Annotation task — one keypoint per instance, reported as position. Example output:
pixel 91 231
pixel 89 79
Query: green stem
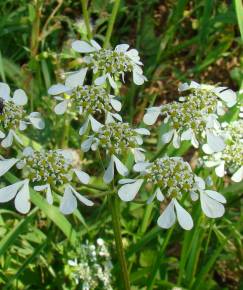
pixel 111 23
pixel 86 18
pixel 65 134
pixel 115 210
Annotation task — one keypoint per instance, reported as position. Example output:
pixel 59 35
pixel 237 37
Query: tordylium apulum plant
pixel 91 95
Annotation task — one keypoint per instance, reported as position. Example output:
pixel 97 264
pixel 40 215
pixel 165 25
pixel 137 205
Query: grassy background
pixel 178 40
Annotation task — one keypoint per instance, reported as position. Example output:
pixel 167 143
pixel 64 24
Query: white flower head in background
pixel 44 170
pixel 195 116
pixel 231 158
pixel 173 180
pixel 13 117
pixel 110 64
pixel 117 139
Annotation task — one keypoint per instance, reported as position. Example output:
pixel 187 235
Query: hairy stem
pixel 115 213
pixel 111 23
pixel 84 4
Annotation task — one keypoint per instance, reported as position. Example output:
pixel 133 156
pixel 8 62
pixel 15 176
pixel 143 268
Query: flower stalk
pixel 115 210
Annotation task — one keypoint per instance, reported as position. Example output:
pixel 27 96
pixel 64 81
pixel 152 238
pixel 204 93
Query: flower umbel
pixel 13 117
pixel 231 157
pixel 117 139
pixel 45 171
pixel 111 64
pixel 173 180
pixel 195 117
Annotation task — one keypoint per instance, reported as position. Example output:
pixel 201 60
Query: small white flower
pixel 194 117
pixel 13 116
pixel 110 64
pixel 44 170
pixel 117 139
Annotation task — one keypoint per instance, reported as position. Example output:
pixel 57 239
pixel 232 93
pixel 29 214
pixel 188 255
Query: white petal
pixel 166 138
pixel 28 151
pixel 2 135
pixel 194 195
pixel 49 197
pixel 68 202
pixel 112 82
pixel 116 104
pixel 58 89
pixel 168 217
pixel 82 176
pixel 194 141
pixel 7 193
pixel 120 167
pixel 142 131
pixel 206 149
pixel 100 80
pixel 132 53
pixel 126 181
pixel 81 198
pixel 95 44
pixel 151 115
pixel 176 140
pixel 229 97
pixel 141 166
pixel 61 108
pixel 138 79
pixel 4 91
pixel 95 125
pixel 211 207
pixel 22 125
pixel 159 195
pixel 84 127
pixel 183 87
pixel 219 170
pixel 109 173
pixel 216 143
pixel 22 199
pixel 82 46
pixel 6 165
pixel 216 195
pixel 36 121
pixel 138 155
pixel 128 191
pixel 8 141
pixel 121 47
pixel 17 137
pixel 139 140
pixel 76 79
pixel 20 98
pixel 200 182
pixel 184 218
pixel 85 146
pixel 186 135
pixel 238 175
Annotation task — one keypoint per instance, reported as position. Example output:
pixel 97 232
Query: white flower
pixel 109 64
pixel 89 101
pixel 211 201
pixel 44 170
pixel 117 139
pixel 13 116
pixel 172 178
pixel 194 117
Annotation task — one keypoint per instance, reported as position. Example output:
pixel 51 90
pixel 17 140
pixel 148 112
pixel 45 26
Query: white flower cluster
pixel 92 268
pixel 44 171
pixel 109 64
pixel 13 117
pixel 117 139
pixel 195 117
pixel 231 157
pixel 173 180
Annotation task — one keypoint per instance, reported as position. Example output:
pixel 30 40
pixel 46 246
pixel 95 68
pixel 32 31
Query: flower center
pixel 92 99
pixel 233 153
pixel 117 138
pixel 110 61
pixel 48 167
pixel 171 174
pixel 192 112
pixel 11 114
